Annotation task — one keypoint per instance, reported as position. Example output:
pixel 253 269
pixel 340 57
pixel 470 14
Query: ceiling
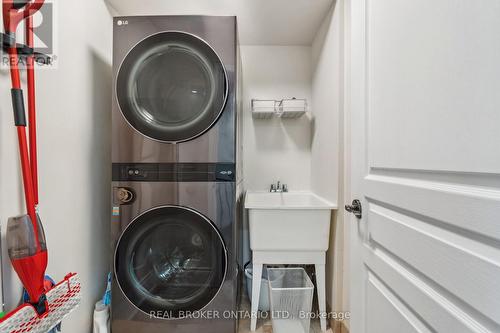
pixel 260 22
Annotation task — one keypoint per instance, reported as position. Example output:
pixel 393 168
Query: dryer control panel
pixel 174 172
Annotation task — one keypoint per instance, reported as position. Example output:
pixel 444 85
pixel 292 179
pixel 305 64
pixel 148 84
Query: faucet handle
pixel 285 188
pixel 273 188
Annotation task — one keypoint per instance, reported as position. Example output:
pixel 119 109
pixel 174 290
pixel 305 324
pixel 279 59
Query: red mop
pixel 25 236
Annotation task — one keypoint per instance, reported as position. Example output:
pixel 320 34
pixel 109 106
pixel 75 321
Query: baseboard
pixel 338 326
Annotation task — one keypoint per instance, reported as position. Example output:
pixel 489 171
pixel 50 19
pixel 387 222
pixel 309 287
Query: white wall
pixel 276 149
pixel 326 97
pixel 260 22
pixel 327 162
pixel 74 121
pixel 306 153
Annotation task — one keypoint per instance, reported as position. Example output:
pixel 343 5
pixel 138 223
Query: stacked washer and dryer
pixel 176 175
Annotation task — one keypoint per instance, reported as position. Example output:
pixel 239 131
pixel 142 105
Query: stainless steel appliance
pixel 174 256
pixel 174 89
pixel 175 180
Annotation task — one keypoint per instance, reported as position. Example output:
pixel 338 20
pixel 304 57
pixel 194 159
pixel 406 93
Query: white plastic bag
pixel 101 318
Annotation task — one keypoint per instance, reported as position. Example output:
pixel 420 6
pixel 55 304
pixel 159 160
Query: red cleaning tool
pixel 25 235
pixel 27 249
pixel 62 299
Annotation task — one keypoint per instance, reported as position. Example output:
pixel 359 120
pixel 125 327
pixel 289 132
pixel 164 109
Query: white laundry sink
pixel 291 221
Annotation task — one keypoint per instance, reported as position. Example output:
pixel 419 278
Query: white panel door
pixel 423 96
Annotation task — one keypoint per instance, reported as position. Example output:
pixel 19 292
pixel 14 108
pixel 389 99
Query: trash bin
pixel 291 294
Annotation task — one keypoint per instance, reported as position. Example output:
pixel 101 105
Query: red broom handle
pixel 23 146
pixel 30 63
pixel 12 17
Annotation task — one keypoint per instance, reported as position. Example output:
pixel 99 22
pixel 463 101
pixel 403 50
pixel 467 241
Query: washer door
pixel 172 87
pixel 170 259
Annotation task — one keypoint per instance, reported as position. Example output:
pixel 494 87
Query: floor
pixel 265 326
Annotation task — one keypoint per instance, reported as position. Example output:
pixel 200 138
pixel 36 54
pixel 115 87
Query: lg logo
pixel 120 22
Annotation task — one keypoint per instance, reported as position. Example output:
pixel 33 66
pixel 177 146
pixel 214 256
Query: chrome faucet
pixel 278 187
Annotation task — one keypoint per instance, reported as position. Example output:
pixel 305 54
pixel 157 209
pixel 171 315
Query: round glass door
pixel 170 259
pixel 172 87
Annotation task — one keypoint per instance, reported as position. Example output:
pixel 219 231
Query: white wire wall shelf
pixel 285 108
pixel 292 108
pixel 263 108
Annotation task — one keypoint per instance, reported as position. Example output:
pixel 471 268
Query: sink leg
pixel 320 280
pixel 256 280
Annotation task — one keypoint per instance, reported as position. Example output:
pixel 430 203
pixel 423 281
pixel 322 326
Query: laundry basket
pixel 291 294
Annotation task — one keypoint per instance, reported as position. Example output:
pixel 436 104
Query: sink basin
pixel 292 221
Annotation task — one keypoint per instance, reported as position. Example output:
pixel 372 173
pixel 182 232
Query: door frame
pixel 355 133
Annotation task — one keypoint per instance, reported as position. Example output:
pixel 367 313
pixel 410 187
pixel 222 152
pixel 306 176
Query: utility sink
pixel 288 221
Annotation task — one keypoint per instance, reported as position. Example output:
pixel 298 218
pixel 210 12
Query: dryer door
pixel 170 259
pixel 172 87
